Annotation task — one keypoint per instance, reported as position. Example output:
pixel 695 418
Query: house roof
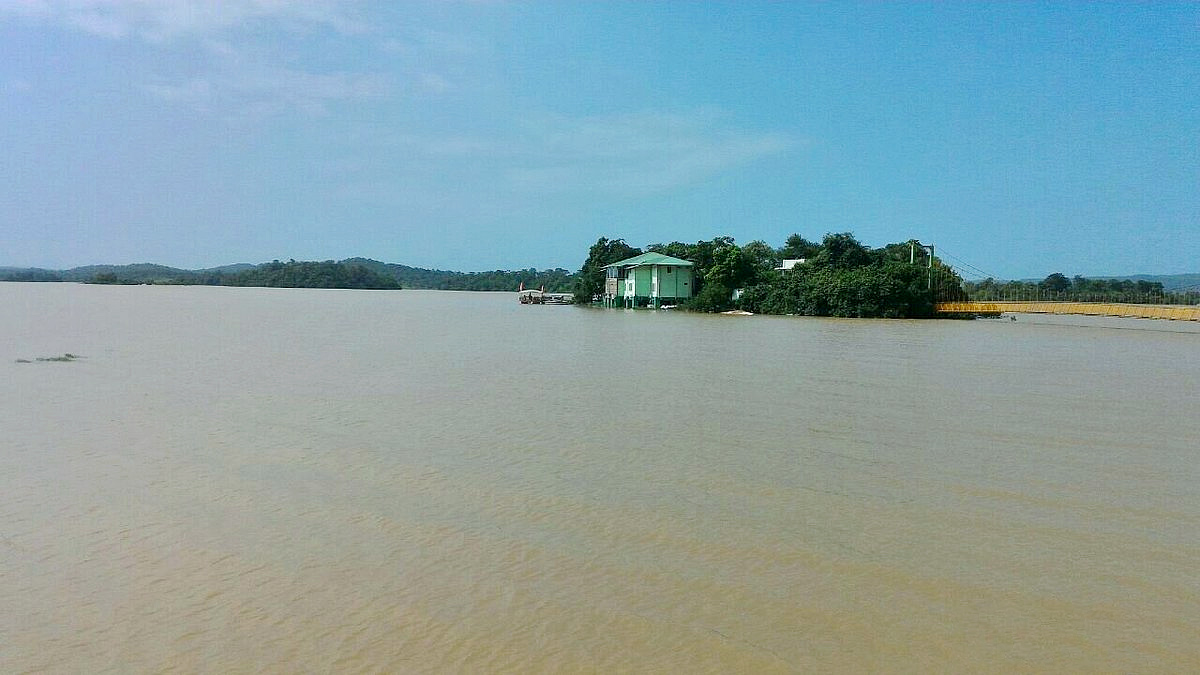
pixel 649 259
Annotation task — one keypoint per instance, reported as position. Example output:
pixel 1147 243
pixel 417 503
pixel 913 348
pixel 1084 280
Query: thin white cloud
pixel 161 20
pixel 17 85
pixel 266 91
pixel 628 155
pixel 636 153
pixel 246 60
pixel 432 83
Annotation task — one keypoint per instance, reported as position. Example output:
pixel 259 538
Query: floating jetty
pixel 538 297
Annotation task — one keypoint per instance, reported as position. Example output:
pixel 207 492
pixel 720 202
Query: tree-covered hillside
pixel 555 280
pixel 292 274
pixel 314 274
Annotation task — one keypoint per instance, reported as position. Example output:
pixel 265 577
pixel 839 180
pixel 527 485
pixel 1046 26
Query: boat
pixel 530 296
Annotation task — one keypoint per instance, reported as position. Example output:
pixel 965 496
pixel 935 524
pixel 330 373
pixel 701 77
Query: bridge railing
pixel 1137 311
pixel 1046 295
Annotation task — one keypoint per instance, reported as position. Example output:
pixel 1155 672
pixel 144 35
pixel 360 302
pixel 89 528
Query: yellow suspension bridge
pixel 996 308
pixel 954 298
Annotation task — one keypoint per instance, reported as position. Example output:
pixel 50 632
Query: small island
pixel 839 277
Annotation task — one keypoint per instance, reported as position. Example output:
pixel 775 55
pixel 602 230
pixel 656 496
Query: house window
pixel 669 269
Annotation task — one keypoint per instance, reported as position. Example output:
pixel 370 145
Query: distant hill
pixel 227 269
pixel 29 274
pixel 554 280
pixel 142 273
pixel 137 273
pixel 292 274
pixel 1170 282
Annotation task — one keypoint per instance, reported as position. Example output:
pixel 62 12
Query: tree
pixel 675 249
pixel 842 251
pixel 731 268
pixel 726 268
pixel 711 298
pixel 762 260
pixel 798 247
pixel 1056 283
pixel 1149 287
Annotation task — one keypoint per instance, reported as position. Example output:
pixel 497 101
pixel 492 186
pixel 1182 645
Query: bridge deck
pixel 1176 312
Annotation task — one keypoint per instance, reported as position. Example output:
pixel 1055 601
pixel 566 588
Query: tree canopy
pixel 796 247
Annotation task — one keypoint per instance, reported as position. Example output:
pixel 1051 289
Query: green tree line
pixel 293 274
pixel 275 274
pixel 555 280
pixel 1058 287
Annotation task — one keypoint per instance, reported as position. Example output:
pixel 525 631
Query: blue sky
pixel 1020 138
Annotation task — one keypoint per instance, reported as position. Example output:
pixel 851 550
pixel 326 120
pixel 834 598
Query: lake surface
pixel 237 480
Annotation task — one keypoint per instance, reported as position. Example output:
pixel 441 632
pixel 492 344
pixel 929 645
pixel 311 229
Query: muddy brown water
pixel 250 480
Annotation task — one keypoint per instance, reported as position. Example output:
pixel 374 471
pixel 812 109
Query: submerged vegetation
pixel 838 277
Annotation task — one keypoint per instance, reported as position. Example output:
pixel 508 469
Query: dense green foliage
pixel 108 278
pixel 796 247
pixel 555 280
pixel 293 274
pixel 1058 287
pixel 887 289
pixel 841 277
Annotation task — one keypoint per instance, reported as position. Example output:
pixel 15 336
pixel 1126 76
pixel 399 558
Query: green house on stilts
pixel 647 280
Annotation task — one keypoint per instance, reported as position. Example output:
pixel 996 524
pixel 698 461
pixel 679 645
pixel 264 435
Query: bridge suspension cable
pixel 982 274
